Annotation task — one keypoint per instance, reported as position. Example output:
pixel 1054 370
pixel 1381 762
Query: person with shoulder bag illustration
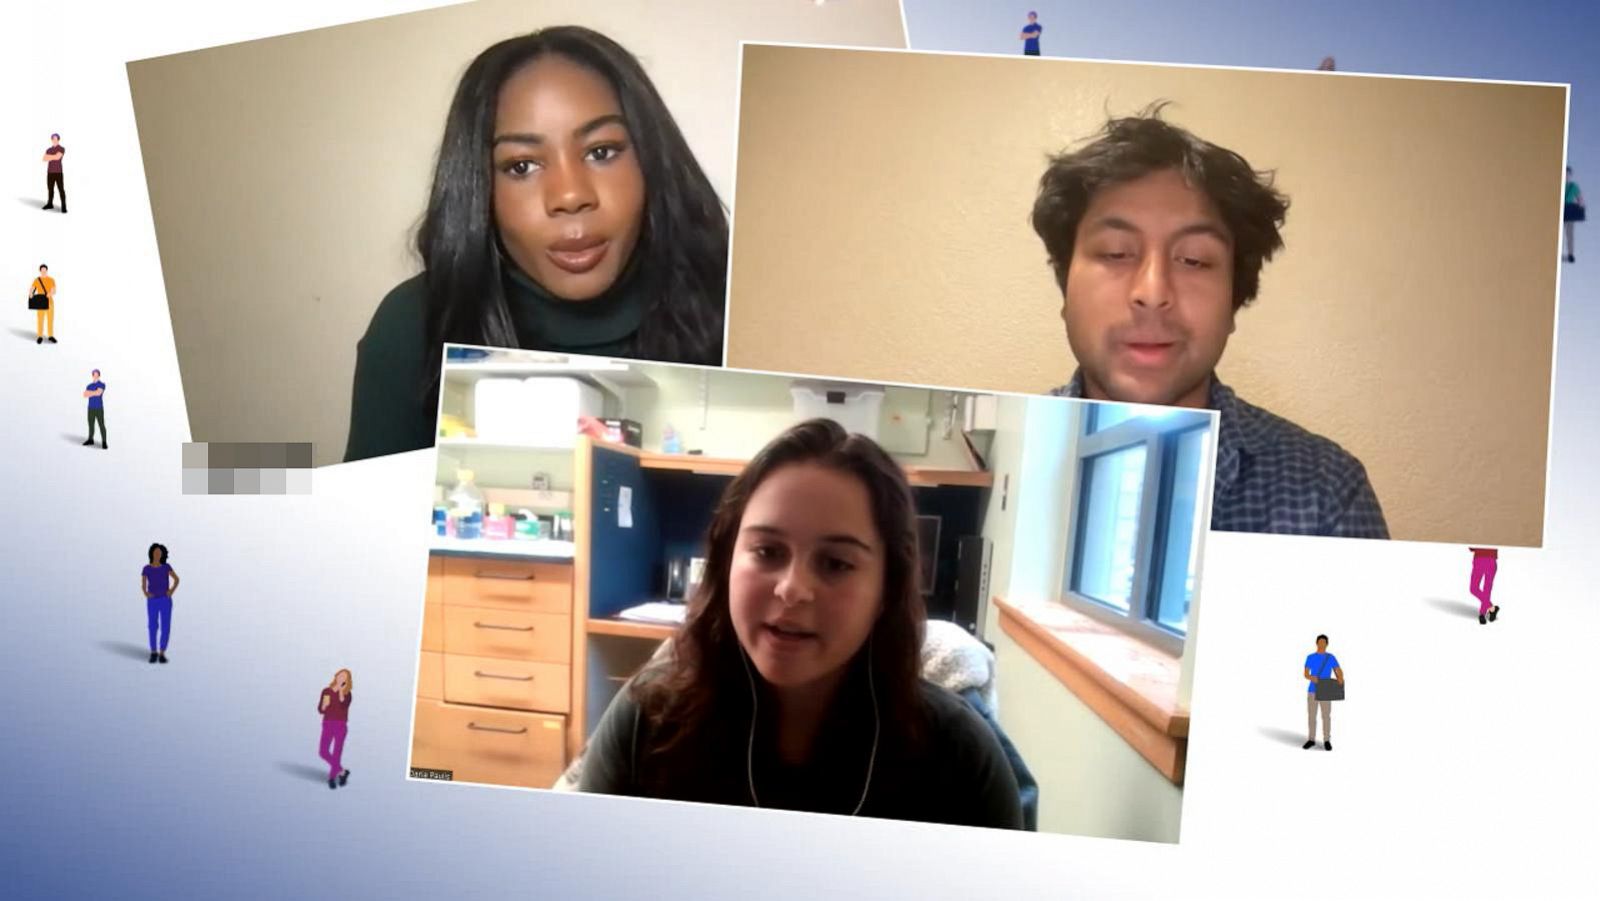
pixel 1326 685
pixel 42 300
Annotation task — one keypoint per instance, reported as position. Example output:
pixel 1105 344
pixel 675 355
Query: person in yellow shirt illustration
pixel 42 300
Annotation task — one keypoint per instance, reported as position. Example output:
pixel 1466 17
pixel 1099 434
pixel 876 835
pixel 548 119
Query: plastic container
pixel 669 441
pixel 856 407
pixel 537 412
pixel 624 431
pixel 528 526
pixel 556 405
pixel 466 506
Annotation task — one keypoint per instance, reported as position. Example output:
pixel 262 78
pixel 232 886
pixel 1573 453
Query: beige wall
pixel 884 234
pixel 285 176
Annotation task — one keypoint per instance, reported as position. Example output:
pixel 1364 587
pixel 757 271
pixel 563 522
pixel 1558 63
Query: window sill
pixel 1131 685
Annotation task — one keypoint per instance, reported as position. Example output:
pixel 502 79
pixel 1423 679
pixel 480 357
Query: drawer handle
pixel 513 577
pixel 483 675
pixel 479 625
pixel 517 731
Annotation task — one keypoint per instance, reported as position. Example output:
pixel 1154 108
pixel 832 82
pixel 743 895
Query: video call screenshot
pixel 783 448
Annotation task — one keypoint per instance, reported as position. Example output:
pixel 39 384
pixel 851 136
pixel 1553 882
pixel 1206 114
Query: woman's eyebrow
pixel 528 137
pixel 836 538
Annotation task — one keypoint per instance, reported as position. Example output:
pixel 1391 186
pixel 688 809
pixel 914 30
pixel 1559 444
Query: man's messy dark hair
pixel 1132 147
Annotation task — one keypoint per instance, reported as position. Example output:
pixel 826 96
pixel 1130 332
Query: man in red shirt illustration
pixel 53 177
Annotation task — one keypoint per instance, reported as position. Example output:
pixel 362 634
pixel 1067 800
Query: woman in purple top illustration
pixel 159 584
pixel 334 706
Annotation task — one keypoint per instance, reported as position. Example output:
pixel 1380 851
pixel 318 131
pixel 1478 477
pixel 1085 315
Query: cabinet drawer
pixel 433 627
pixel 491 632
pixel 495 682
pixel 508 584
pixel 494 746
pixel 435 579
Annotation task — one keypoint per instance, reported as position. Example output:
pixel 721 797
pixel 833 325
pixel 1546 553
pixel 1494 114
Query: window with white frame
pixel 1141 473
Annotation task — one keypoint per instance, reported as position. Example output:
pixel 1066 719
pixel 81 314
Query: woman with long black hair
pixel 795 680
pixel 159 583
pixel 567 214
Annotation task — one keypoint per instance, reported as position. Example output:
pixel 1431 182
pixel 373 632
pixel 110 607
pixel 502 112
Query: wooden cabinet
pixel 494 685
pixel 479 744
pixel 430 676
pixel 435 579
pixel 433 627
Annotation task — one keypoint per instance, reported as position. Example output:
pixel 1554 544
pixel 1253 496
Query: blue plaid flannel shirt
pixel 1274 476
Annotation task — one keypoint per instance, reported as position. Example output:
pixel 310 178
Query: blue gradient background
pixel 199 779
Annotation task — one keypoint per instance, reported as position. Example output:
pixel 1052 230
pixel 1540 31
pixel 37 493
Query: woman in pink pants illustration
pixel 1485 560
pixel 335 709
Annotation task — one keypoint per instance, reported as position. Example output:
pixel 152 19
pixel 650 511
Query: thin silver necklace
pixel 750 748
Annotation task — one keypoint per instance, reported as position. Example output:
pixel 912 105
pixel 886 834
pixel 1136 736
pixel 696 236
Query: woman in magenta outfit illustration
pixel 1485 560
pixel 159 583
pixel 335 709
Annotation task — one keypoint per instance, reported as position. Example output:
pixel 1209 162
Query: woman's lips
pixel 788 637
pixel 578 255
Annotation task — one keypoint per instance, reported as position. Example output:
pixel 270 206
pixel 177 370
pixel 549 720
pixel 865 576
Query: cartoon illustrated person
pixel 1571 211
pixel 158 599
pixel 1030 35
pixel 95 392
pixel 42 300
pixel 334 706
pixel 1320 665
pixel 53 176
pixel 1485 561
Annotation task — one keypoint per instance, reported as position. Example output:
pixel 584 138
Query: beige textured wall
pixel 285 175
pixel 883 234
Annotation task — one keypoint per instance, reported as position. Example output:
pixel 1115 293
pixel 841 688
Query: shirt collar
pixel 606 319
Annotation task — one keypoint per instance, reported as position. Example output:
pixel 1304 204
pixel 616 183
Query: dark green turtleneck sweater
pixel 386 415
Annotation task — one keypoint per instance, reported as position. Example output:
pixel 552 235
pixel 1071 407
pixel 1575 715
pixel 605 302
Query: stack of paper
pixel 655 612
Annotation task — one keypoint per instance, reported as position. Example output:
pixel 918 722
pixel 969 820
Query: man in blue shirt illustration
pixel 1030 35
pixel 97 408
pixel 1320 665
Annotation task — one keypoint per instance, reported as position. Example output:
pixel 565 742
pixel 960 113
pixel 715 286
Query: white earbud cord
pixel 750 748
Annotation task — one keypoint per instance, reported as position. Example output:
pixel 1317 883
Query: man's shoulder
pixel 1270 435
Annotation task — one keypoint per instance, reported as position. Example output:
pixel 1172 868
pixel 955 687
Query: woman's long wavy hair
pixel 682 253
pixel 706 658
pixel 151 552
pixel 349 682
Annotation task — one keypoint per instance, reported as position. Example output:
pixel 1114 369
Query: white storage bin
pixel 539 412
pixel 499 407
pixel 856 407
pixel 554 406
